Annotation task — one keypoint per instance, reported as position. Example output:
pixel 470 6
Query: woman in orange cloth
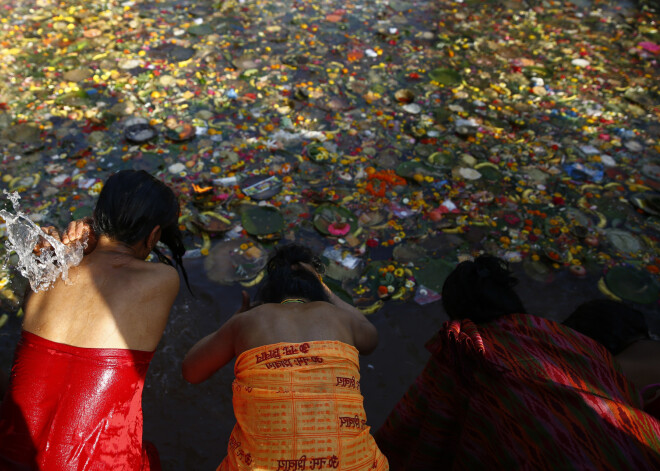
pixel 74 400
pixel 297 397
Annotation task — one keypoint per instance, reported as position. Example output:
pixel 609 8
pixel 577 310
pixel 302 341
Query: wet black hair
pixel 481 290
pixel 613 324
pixel 286 279
pixel 131 204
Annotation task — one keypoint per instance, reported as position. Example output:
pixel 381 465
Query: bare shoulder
pixel 363 332
pixel 156 282
pixel 166 273
pixel 254 314
pixel 160 273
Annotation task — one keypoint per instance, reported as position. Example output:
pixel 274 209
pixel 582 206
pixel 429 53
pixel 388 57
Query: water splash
pixel 41 270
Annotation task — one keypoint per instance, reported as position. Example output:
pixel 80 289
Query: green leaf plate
pixel 445 76
pixel 632 284
pixel 327 214
pixel 261 220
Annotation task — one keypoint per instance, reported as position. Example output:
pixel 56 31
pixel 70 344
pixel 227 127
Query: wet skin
pixel 115 299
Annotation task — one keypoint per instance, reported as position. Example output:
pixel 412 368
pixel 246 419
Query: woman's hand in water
pixel 43 243
pixel 80 230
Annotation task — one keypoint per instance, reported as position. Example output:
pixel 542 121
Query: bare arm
pixel 213 351
pixel 209 354
pixel 365 334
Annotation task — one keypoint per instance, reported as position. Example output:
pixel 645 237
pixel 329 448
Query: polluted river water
pixel 394 138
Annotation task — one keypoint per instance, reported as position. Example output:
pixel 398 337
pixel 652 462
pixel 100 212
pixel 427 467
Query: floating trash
pixel 261 188
pixel 648 202
pixel 412 108
pixel 179 131
pixel 138 130
pixel 212 223
pixel 414 130
pixel 404 96
pixel 236 260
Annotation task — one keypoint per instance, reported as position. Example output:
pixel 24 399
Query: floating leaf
pixel 445 76
pixel 535 71
pixel 261 220
pixel 434 274
pixel 442 159
pixel 632 284
pixel 200 30
pixel 330 214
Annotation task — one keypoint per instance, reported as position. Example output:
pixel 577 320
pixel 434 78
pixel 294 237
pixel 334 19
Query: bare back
pixel 112 302
pixel 272 323
pixel 292 322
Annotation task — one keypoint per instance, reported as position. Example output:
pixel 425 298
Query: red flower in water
pixel 511 219
pixel 372 243
pixel 339 228
pixel 437 214
pixel 558 200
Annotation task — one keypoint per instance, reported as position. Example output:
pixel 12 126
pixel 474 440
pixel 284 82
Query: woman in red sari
pixel 74 400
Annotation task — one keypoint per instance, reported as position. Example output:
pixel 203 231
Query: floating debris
pixel 530 133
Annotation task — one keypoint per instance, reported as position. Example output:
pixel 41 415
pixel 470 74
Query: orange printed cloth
pixel 298 406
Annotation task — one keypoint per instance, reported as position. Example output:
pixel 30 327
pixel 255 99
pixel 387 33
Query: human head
pixel 613 324
pixel 131 204
pixel 286 278
pixel 481 290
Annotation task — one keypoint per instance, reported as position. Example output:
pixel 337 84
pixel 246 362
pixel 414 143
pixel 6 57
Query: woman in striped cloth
pixel 508 390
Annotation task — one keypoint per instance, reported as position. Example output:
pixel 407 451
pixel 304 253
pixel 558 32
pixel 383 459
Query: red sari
pixel 70 408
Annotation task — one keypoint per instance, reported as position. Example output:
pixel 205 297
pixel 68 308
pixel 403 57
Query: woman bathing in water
pixel 75 391
pixel 297 395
